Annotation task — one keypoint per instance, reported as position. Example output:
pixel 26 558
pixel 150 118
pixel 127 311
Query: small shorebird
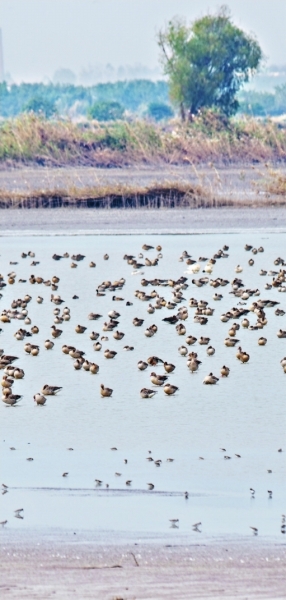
pixel 3 523
pixel 174 523
pixel 65 474
pixel 151 486
pixel 252 491
pixel 196 526
pixel 255 530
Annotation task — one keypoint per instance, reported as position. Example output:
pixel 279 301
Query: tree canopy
pixel 207 62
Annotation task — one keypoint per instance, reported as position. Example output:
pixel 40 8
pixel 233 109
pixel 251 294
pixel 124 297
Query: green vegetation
pixel 133 96
pixel 41 106
pixel 263 104
pixel 210 137
pixel 106 111
pixel 159 111
pixel 207 62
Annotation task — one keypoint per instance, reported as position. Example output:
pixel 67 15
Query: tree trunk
pixel 182 111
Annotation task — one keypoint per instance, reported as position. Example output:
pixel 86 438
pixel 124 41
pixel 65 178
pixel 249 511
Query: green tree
pixel 159 111
pixel 207 62
pixel 42 106
pixel 106 111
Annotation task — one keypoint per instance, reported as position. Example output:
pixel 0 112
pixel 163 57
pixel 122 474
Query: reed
pixel 32 140
pixel 168 194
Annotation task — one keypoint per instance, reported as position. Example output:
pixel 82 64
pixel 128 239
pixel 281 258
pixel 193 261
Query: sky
pixel 41 36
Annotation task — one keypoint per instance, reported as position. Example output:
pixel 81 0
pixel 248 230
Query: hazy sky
pixel 39 36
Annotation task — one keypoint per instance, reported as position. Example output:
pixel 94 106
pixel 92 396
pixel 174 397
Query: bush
pixel 159 111
pixel 41 106
pixel 106 111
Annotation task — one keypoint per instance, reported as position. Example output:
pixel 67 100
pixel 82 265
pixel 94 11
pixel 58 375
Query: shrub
pixel 106 111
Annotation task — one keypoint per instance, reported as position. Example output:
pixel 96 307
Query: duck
pixel 109 353
pixel 18 373
pixel 50 390
pixel 190 340
pixel 137 322
pixel 11 399
pixel 56 332
pixel 105 391
pixel 146 393
pixel 93 368
pixel 210 379
pixel 180 328
pixel 245 323
pixel 169 368
pixel 80 329
pixel 154 360
pixel 170 389
pixel 238 269
pixel 262 341
pixel 93 317
pixel 34 350
pixel 210 351
pixel 193 364
pixel 77 364
pixel 94 335
pixel 49 344
pixel 149 332
pixel 150 309
pixel 74 353
pixel 230 342
pixel 183 350
pixel 40 399
pixel 97 347
pixel 281 334
pixel 7 382
pixel 204 341
pixel 118 335
pixel 142 365
pixel 242 356
pixel 158 379
pixel 224 371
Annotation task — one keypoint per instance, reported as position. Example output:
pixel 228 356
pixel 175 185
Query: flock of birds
pixel 154 300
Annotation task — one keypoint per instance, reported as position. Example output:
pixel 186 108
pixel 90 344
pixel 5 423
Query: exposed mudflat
pixel 239 182
pixel 75 566
pixel 116 221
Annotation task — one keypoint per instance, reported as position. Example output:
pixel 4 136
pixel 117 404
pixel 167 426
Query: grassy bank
pixel 168 194
pixel 30 140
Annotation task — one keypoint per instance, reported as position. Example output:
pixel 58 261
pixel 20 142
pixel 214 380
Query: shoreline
pixel 80 567
pixel 86 221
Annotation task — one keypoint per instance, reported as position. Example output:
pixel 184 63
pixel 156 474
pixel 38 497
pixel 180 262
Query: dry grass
pixel 275 183
pixel 31 140
pixel 168 194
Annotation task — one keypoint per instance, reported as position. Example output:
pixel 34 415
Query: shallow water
pixel 245 413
